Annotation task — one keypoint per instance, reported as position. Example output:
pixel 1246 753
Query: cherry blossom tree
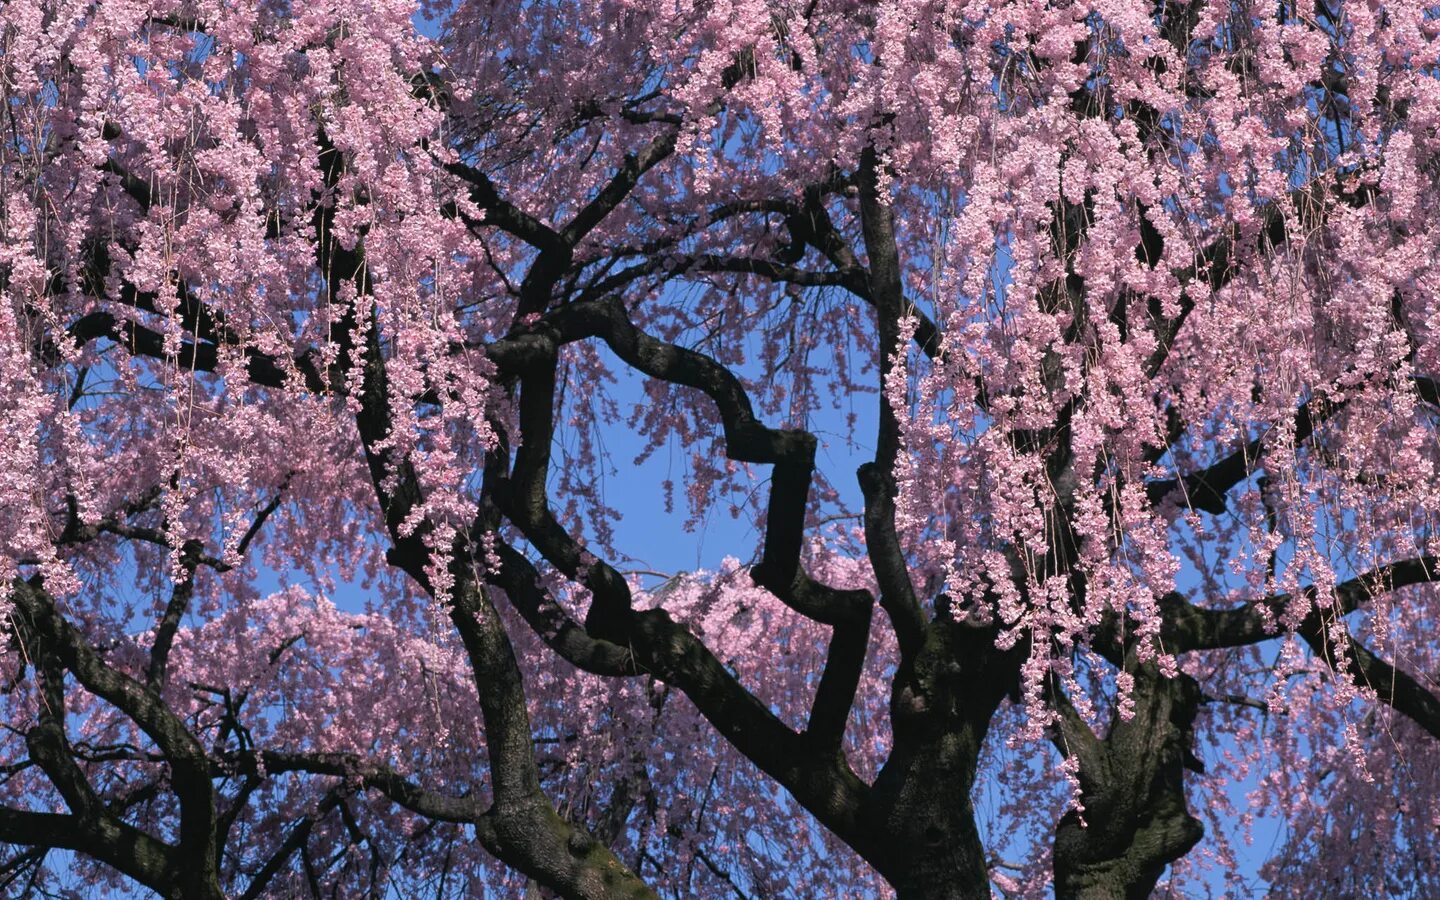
pixel 1125 310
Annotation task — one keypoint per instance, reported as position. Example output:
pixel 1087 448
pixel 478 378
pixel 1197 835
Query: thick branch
pixel 1332 642
pixel 502 213
pixel 791 452
pixel 877 480
pixel 1206 489
pixel 1135 821
pixel 1187 627
pixel 51 637
pixel 660 645
pixel 127 849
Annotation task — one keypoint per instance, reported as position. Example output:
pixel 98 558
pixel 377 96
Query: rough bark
pixel 920 829
pixel 1135 821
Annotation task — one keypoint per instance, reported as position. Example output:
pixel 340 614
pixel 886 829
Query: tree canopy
pixel 1129 311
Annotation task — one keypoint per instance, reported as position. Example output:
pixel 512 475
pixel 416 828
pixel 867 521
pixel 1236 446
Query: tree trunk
pixel 1136 822
pixel 920 818
pixel 928 837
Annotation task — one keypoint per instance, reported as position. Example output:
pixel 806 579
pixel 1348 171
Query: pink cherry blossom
pixel 1070 373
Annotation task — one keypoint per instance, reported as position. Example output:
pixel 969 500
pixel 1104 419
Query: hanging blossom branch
pixel 287 262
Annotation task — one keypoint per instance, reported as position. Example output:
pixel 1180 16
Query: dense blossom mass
pixel 1126 312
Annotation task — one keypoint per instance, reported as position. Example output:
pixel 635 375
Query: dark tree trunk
pixel 919 818
pixel 928 837
pixel 1135 822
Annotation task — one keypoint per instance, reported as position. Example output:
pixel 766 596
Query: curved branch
pixel 1333 643
pixel 294 841
pixel 822 782
pixel 791 452
pixel 54 638
pixel 1206 488
pixel 528 833
pixel 501 212
pixel 127 849
pixel 619 186
pixel 398 788
pixel 524 832
pixel 1186 627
